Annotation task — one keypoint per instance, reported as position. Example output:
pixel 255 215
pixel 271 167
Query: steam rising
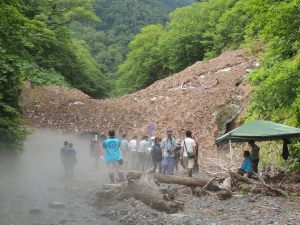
pixel 35 179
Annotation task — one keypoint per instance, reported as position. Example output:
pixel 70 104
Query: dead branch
pixel 210 86
pixel 253 182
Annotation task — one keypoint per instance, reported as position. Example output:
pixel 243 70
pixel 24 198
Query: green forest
pixel 268 29
pixel 64 42
pixel 118 47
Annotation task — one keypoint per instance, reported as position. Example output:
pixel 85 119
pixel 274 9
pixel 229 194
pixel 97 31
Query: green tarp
pixel 260 130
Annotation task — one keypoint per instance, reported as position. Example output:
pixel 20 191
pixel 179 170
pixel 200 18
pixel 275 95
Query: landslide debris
pixel 190 99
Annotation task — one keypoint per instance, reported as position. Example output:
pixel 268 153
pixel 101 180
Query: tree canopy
pixel 267 28
pixel 36 45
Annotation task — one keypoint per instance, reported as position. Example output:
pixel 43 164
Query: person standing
pixel 156 154
pixel 142 153
pixel 133 153
pixel 112 156
pixel 178 159
pixel 168 146
pixel 196 164
pixel 125 149
pixel 68 157
pixel 95 153
pixel 254 149
pixel 189 151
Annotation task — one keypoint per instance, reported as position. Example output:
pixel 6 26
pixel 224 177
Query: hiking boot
pixel 112 177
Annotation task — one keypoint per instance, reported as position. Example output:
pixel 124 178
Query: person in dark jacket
pixel 254 149
pixel 156 154
pixel 68 157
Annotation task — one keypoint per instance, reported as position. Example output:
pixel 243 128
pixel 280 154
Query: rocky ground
pixel 33 192
pixel 211 211
pixel 242 208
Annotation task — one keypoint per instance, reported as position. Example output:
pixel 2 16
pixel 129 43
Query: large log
pixel 148 192
pixel 144 190
pixel 171 179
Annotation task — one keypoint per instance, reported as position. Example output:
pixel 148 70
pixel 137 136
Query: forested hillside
pixel 36 45
pixel 121 20
pixel 66 43
pixel 83 44
pixel 269 29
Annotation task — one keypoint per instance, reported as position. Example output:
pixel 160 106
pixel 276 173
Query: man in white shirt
pixel 133 153
pixel 188 150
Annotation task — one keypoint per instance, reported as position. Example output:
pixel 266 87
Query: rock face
pixel 185 101
pixel 226 114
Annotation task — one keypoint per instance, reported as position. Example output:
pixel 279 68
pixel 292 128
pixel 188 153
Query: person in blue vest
pixel 113 157
pixel 247 165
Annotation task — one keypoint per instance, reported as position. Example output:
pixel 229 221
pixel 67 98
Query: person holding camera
pixel 168 146
pixel 189 151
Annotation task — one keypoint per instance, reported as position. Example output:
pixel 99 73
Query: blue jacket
pixel 247 165
pixel 112 149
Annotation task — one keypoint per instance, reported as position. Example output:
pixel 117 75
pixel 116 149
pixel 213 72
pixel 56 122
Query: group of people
pixel 251 159
pixel 146 155
pixel 169 152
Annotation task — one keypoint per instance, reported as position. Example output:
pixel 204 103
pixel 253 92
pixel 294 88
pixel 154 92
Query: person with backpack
pixel 156 154
pixel 188 149
pixel 113 157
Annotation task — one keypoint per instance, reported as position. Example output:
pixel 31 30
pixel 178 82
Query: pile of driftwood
pixel 145 187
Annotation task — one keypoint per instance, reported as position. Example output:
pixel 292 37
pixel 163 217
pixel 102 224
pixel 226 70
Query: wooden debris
pixel 271 189
pixel 193 182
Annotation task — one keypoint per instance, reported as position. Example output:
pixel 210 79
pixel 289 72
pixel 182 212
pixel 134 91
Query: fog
pixel 35 179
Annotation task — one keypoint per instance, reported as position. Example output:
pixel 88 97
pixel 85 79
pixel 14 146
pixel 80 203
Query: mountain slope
pixel 186 100
pixel 121 20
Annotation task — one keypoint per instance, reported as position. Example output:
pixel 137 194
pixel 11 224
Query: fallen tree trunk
pixel 148 192
pixel 171 179
pixel 144 190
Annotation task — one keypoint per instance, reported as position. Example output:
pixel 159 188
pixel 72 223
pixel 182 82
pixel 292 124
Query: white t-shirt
pixel 143 146
pixel 188 145
pixel 133 145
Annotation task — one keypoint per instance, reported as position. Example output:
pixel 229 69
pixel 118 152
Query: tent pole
pixel 231 152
